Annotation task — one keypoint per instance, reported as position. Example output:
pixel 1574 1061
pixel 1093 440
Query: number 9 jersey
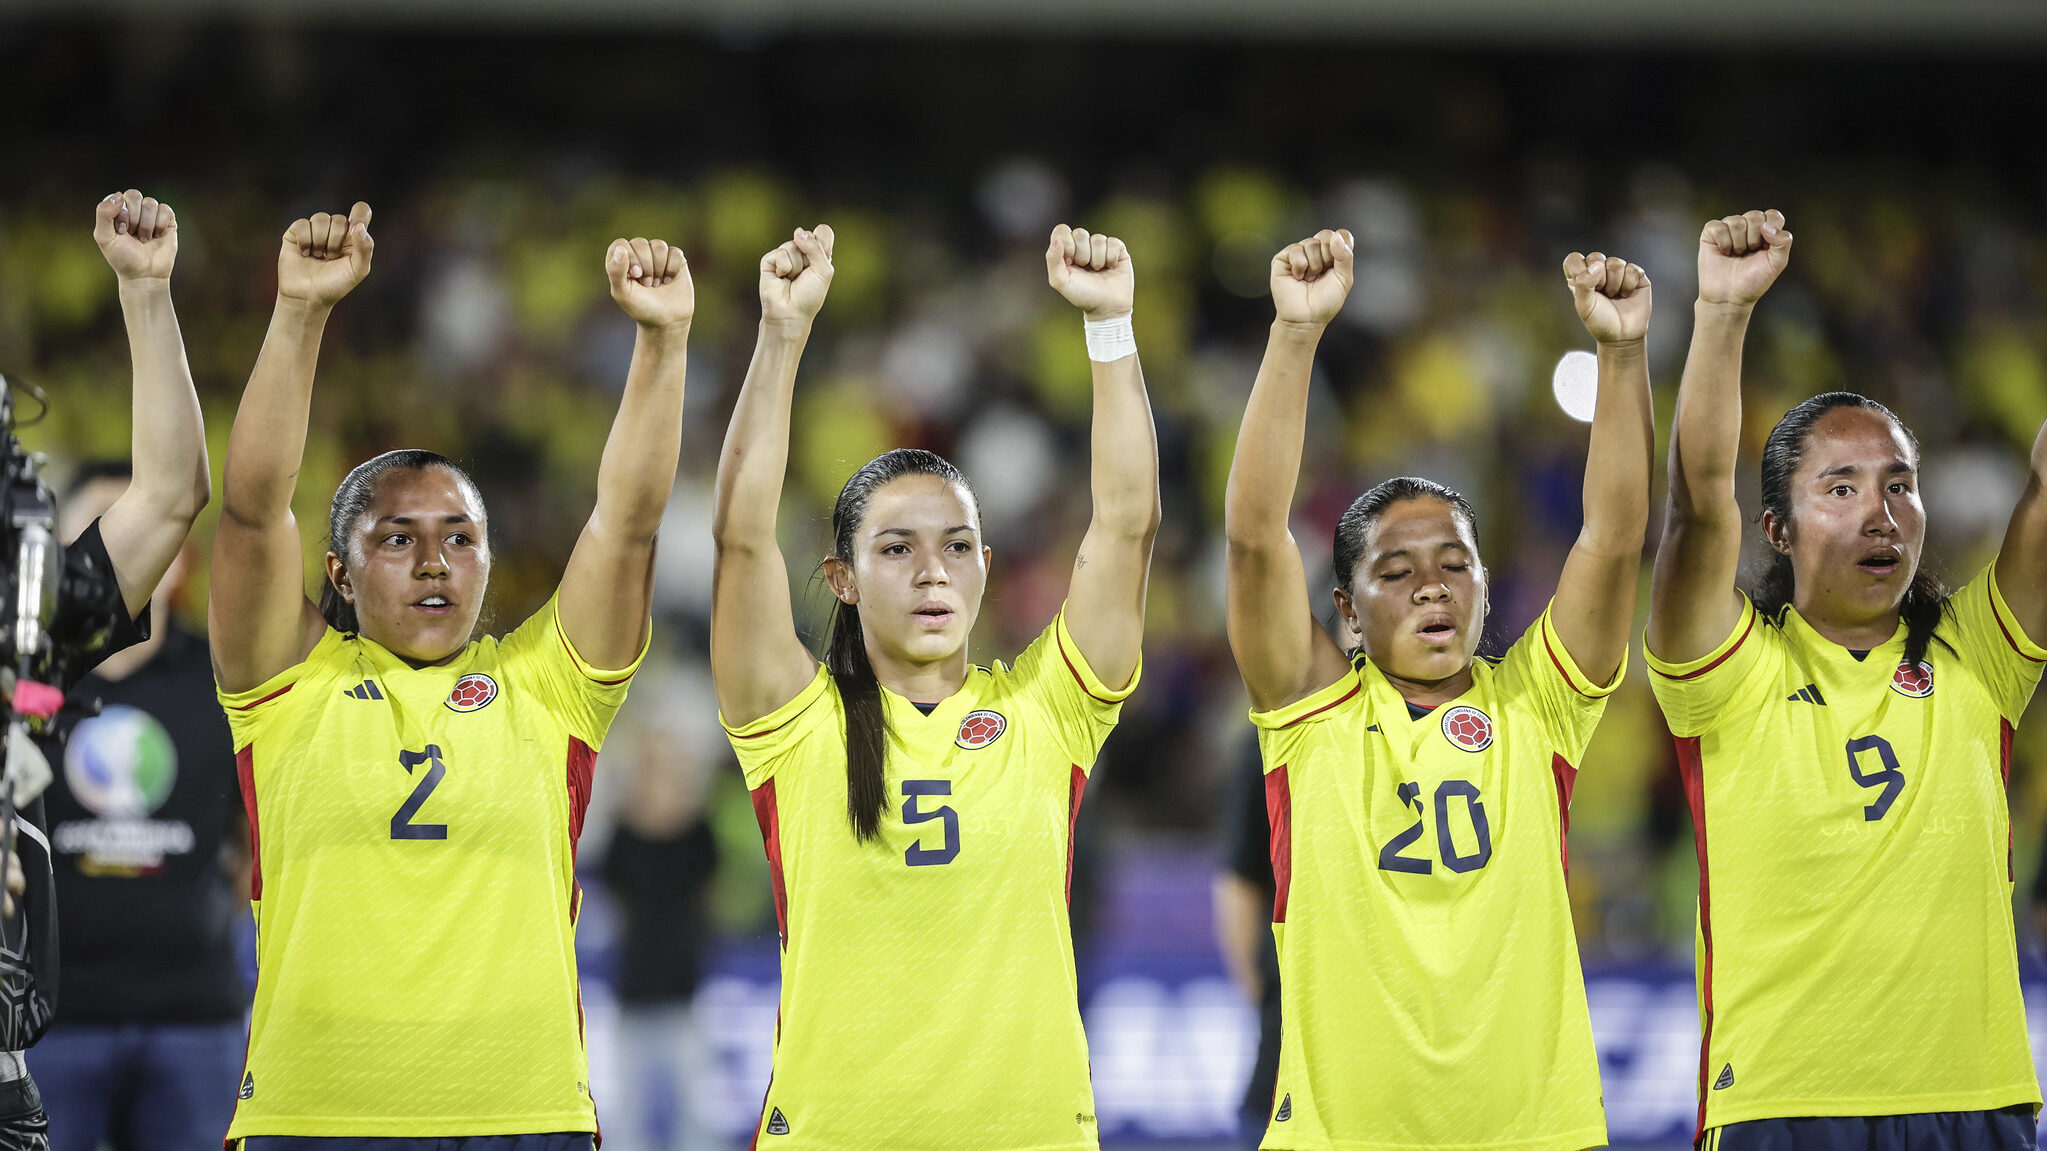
pixel 928 993
pixel 415 894
pixel 1430 989
pixel 1855 948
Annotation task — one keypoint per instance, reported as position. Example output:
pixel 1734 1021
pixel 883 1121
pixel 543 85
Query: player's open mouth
pixel 434 605
pixel 1881 563
pixel 933 615
pixel 1437 627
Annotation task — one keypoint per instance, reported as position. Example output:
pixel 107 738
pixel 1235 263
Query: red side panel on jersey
pixel 245 771
pixel 771 835
pixel 1689 767
pixel 1567 778
pixel 1073 794
pixel 582 766
pixel 2004 734
pixel 1279 810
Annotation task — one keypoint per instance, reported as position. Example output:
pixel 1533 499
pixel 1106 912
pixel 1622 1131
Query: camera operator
pixel 107 577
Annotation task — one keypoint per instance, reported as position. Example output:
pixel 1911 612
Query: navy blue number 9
pixel 919 855
pixel 1890 778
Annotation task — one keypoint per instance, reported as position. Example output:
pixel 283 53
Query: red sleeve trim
pixel 1697 672
pixel 1570 680
pixel 1999 617
pixel 265 699
pixel 766 814
pixel 1279 810
pixel 1077 677
pixel 245 772
pixel 581 662
pixel 1354 689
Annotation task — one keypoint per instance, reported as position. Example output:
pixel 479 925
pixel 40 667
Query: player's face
pixel 1418 596
pixel 1857 527
pixel 418 565
pixel 919 569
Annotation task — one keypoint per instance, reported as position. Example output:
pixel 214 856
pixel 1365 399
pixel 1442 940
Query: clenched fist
pixel 650 280
pixel 137 235
pixel 1741 256
pixel 1311 279
pixel 795 278
pixel 1611 294
pixel 1093 272
pixel 324 256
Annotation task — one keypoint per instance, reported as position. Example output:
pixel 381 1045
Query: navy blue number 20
pixel 919 855
pixel 1890 778
pixel 402 826
pixel 1390 858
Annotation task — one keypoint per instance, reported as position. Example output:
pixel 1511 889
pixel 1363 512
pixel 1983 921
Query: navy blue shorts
pixel 2010 1129
pixel 565 1141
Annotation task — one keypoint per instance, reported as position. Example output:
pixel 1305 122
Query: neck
pixel 920 682
pixel 1430 692
pixel 1852 633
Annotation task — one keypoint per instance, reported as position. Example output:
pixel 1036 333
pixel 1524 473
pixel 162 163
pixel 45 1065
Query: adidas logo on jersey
pixel 367 689
pixel 776 1124
pixel 1810 693
pixel 1286 1109
pixel 1726 1079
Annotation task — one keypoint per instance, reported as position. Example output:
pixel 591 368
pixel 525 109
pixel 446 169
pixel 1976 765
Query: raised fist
pixel 1093 272
pixel 796 276
pixel 650 280
pixel 137 235
pixel 1311 279
pixel 1741 256
pixel 325 256
pixel 1612 296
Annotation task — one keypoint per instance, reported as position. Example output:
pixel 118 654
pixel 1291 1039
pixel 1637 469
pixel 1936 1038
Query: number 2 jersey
pixel 1430 990
pixel 415 834
pixel 1855 948
pixel 928 990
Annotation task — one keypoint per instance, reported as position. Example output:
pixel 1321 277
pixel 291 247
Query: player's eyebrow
pixel 907 533
pixel 408 521
pixel 1896 468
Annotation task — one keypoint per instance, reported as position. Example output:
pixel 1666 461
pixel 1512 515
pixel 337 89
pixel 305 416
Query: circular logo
pixel 980 728
pixel 472 691
pixel 121 763
pixel 1915 680
pixel 1468 728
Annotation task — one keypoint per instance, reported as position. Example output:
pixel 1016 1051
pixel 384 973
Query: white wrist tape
pixel 1110 340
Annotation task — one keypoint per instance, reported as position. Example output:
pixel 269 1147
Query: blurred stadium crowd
pixel 484 332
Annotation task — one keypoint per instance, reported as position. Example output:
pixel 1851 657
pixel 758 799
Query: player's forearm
pixel 755 457
pixel 268 443
pixel 1267 463
pixel 1616 492
pixel 1124 450
pixel 637 472
pixel 168 441
pixel 1706 434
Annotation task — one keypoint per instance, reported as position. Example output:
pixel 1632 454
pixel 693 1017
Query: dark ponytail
pixel 1925 600
pixel 846 647
pixel 352 502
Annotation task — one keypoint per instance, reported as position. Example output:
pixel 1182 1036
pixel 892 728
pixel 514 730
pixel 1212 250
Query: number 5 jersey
pixel 415 893
pixel 928 990
pixel 1430 990
pixel 1855 948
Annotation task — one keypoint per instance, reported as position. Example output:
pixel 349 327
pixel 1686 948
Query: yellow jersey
pixel 1855 949
pixel 928 991
pixel 1431 991
pixel 415 893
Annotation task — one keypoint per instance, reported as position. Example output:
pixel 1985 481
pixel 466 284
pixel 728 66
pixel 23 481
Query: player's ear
pixel 1777 532
pixel 337 572
pixel 838 575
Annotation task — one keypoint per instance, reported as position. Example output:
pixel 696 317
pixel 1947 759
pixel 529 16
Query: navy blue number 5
pixel 919 855
pixel 402 826
pixel 1890 778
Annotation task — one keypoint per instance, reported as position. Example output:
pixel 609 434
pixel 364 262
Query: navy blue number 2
pixel 1890 778
pixel 402 826
pixel 1390 858
pixel 919 855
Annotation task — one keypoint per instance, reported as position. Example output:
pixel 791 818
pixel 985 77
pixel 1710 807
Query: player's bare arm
pixel 1281 649
pixel 1595 601
pixel 757 660
pixel 1105 600
pixel 607 591
pixel 260 619
pixel 1693 604
pixel 147 524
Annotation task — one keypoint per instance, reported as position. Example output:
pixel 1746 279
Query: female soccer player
pixel 1419 799
pixel 918 809
pixel 1844 732
pixel 414 794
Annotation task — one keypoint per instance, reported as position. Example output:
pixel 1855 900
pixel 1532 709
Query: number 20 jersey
pixel 415 899
pixel 1430 988
pixel 1855 948
pixel 928 993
